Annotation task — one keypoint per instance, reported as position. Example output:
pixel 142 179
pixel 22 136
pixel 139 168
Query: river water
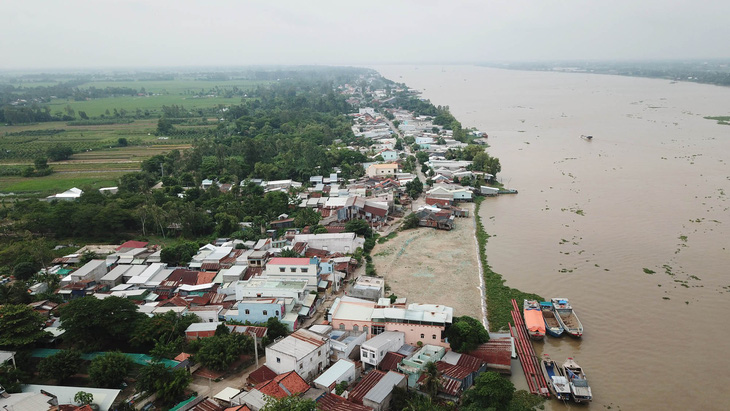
pixel 648 192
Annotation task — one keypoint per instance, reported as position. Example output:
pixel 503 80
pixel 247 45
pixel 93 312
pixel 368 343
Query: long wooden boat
pixel 533 319
pixel 552 325
pixel 567 317
pixel 557 382
pixel 579 388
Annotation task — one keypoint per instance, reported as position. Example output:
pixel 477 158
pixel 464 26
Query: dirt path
pixel 433 266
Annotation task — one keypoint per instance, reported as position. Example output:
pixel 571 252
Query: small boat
pixel 579 388
pixel 567 317
pixel 552 325
pixel 556 380
pixel 533 319
pixel 587 138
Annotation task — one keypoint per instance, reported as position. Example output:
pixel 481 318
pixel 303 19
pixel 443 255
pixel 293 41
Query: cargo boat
pixel 534 322
pixel 567 317
pixel 552 325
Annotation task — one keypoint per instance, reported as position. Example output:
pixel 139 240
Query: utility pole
pixel 162 170
pixel 255 347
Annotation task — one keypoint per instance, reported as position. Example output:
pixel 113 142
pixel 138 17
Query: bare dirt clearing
pixel 433 266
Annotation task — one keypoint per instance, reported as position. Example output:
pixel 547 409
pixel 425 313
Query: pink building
pixel 423 323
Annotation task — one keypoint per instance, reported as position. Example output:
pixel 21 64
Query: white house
pixel 265 287
pixel 342 370
pixel 93 270
pixel 381 170
pixel 283 268
pixel 345 243
pixel 373 350
pixel 303 351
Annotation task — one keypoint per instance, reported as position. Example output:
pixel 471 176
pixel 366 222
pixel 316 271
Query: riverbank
pixel 498 295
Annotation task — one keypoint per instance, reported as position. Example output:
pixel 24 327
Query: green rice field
pixel 97 161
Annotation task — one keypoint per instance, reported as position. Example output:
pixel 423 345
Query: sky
pixel 45 34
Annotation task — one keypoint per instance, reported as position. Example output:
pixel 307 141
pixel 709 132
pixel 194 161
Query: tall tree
pixel 60 366
pixel 432 382
pixel 169 384
pixel 20 326
pixel 490 391
pixel 220 351
pixel 466 333
pixel 109 370
pixel 96 324
pixel 290 403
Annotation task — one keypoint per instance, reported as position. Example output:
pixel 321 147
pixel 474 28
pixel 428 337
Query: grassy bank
pixel 498 294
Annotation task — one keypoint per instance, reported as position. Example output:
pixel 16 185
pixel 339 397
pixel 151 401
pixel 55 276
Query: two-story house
pixel 286 268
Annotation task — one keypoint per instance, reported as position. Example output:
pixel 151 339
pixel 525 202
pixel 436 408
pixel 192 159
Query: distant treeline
pixel 708 72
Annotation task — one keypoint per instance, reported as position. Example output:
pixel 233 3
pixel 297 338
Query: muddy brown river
pixel 633 226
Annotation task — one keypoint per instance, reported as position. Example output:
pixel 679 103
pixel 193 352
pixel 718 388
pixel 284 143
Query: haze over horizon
pixel 166 33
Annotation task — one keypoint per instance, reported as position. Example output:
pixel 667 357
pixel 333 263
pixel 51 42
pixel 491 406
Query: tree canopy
pixel 98 324
pixel 109 369
pixel 220 351
pixel 60 366
pixel 290 403
pixel 169 384
pixel 20 326
pixel 490 391
pixel 466 333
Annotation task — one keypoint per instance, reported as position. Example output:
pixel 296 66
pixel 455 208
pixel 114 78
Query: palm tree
pixel 432 383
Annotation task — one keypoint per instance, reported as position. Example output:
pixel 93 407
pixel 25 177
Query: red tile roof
pixel 182 356
pixel 390 361
pixel 332 402
pixel 206 278
pixel 367 384
pixel 284 385
pixel 132 244
pixel 238 408
pixel 261 374
pixel 335 228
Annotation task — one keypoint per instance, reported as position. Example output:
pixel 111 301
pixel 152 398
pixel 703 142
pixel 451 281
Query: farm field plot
pixel 58 182
pixel 432 266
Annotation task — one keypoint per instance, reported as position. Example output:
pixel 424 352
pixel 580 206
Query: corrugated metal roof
pixel 367 383
pixel 332 402
pixel 336 371
pixel 384 387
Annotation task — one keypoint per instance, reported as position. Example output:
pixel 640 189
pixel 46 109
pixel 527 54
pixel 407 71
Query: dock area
pixel 528 359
